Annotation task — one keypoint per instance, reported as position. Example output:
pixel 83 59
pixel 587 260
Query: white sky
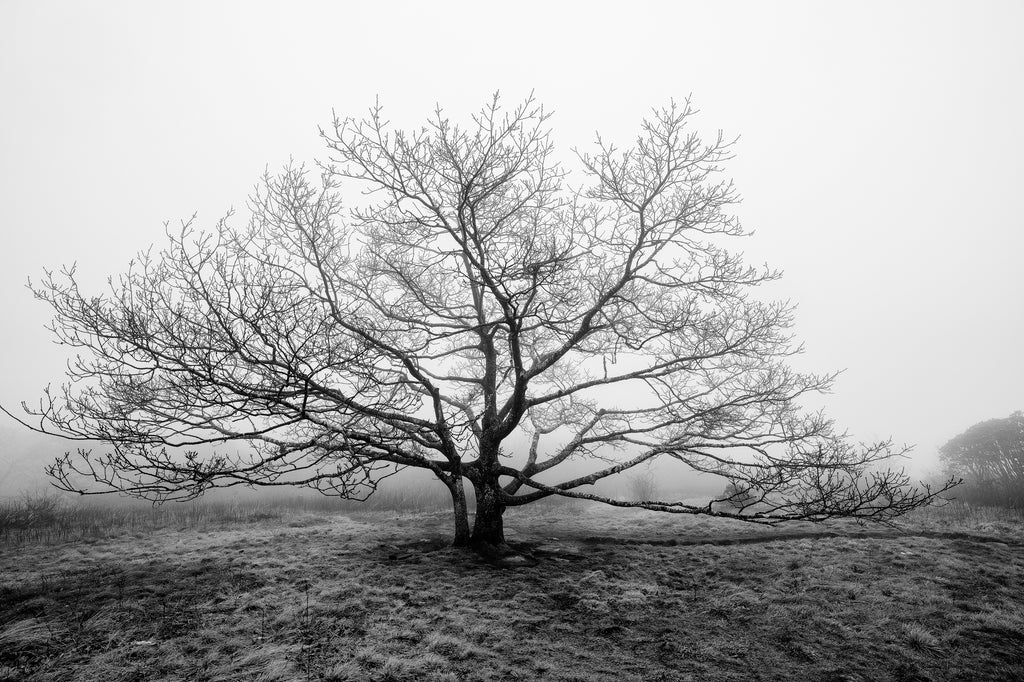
pixel 881 155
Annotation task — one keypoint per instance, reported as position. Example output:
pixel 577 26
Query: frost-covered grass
pixel 617 595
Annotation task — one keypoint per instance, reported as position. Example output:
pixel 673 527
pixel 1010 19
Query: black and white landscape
pixel 450 342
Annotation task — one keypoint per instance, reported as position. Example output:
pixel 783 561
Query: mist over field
pixel 878 156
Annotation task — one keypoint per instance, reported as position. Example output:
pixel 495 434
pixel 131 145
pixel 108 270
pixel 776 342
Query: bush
pixel 643 487
pixel 737 495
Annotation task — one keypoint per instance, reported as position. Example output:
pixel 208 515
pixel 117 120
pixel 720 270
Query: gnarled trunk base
pixel 488 528
pixel 487 537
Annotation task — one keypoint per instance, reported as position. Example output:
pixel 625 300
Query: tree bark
pixel 488 528
pixel 459 509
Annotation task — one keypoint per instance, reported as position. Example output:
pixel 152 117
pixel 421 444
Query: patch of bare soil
pixel 612 596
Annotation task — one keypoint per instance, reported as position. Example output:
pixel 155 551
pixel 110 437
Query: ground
pixel 615 595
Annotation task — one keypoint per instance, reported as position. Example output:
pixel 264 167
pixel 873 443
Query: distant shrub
pixel 737 496
pixel 31 511
pixel 643 487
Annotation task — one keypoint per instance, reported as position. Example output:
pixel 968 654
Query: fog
pixel 880 157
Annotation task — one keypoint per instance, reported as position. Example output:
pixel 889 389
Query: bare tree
pixel 476 316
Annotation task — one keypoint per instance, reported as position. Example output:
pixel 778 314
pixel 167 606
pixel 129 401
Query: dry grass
pixel 50 518
pixel 616 596
pixel 962 516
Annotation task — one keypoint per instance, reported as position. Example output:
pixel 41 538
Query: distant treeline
pixel 989 456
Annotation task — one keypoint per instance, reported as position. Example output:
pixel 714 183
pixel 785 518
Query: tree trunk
pixel 458 491
pixel 488 531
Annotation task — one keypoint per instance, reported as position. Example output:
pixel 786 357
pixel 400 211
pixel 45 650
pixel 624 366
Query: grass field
pixel 272 593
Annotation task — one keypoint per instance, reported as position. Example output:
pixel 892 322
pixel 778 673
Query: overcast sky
pixel 881 152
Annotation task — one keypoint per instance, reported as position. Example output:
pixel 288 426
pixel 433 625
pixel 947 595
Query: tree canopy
pixel 990 458
pixel 480 312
